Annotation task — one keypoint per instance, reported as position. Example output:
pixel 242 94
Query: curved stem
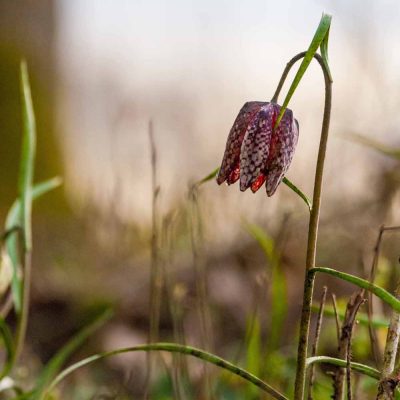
pixel 285 73
pixel 313 235
pixel 172 348
pixel 313 224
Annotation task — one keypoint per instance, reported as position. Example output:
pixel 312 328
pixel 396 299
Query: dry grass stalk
pixel 316 340
pixel 356 300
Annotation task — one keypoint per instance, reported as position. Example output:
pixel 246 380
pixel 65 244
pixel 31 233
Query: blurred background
pixel 100 72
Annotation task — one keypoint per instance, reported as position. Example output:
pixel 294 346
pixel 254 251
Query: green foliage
pixel 278 288
pixel 12 221
pixel 27 158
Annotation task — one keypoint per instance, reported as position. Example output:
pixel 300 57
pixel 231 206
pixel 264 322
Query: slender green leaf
pixel 13 220
pixel 253 340
pixel 264 241
pixel 383 294
pixel 172 348
pixel 361 368
pixel 361 317
pixel 295 189
pixel 279 304
pixel 27 158
pixel 253 351
pixel 59 359
pixel 320 34
pixel 279 307
pixel 324 53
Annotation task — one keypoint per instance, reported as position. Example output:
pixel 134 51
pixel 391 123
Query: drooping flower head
pixel 255 152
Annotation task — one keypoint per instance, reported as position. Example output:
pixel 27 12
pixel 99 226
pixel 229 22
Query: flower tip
pixel 220 180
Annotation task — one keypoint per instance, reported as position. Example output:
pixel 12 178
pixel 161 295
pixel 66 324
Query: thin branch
pixel 372 334
pixel 316 339
pixel 155 275
pixel 390 381
pixel 356 300
pixel 337 321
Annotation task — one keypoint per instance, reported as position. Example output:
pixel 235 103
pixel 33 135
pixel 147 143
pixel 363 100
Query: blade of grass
pixel 25 181
pixel 320 34
pixel 27 158
pixel 12 221
pixel 278 289
pixel 253 350
pixel 172 348
pixel 58 360
pixel 383 294
pixel 361 368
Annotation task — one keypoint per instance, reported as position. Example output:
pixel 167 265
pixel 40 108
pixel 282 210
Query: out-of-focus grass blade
pixel 27 158
pixel 9 347
pixel 295 189
pixel 362 318
pixel 279 307
pixel 382 148
pixel 278 286
pixel 253 345
pixel 320 34
pixel 378 291
pixel 209 177
pixel 254 350
pixel 54 365
pixel 12 220
pixel 265 241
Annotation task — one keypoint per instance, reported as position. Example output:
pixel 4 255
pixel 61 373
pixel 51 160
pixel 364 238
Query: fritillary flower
pixel 255 151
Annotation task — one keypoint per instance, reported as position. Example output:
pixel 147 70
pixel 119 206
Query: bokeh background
pixel 100 72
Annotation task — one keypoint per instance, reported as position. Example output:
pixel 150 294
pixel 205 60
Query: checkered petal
pixel 229 170
pixel 256 148
pixel 283 145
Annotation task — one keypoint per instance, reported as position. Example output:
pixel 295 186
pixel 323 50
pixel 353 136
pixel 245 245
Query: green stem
pixel 23 321
pixel 313 224
pixel 172 348
pixel 286 71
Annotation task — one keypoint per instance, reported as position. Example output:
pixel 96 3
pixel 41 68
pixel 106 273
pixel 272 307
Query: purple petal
pixel 283 145
pixel 255 147
pixel 231 159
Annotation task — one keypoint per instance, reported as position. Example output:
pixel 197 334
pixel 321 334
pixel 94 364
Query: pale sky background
pixel 189 66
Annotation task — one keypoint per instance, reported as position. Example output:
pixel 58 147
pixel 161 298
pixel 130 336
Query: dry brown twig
pixel 355 301
pixel 316 340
